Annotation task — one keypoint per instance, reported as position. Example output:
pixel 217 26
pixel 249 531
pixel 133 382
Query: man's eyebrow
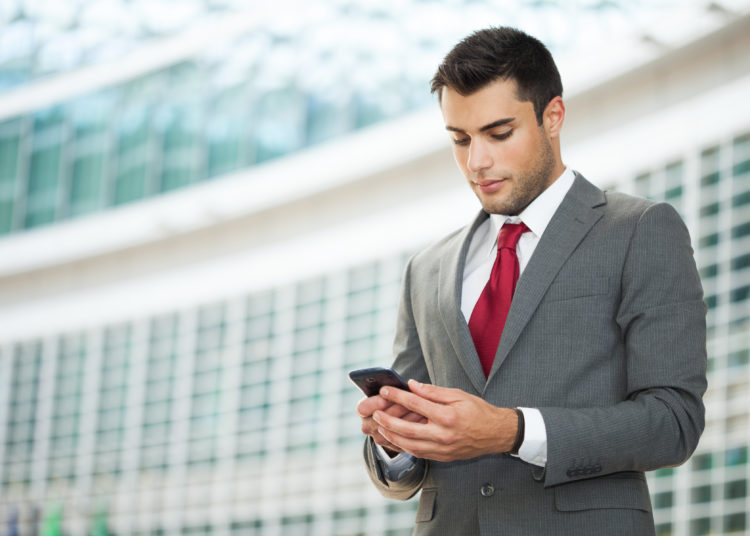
pixel 498 123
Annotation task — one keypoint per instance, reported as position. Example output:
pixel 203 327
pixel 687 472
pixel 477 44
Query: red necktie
pixel 489 314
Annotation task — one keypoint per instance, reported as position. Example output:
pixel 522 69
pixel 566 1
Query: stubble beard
pixel 525 187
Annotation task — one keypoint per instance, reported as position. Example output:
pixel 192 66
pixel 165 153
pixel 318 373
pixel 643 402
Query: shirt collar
pixel 539 213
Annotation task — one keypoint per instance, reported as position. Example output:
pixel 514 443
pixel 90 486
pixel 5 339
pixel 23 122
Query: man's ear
pixel 553 117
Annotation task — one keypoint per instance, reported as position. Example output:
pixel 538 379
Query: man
pixel 537 415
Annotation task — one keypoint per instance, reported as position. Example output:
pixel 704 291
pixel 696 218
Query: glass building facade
pixel 162 132
pixel 234 416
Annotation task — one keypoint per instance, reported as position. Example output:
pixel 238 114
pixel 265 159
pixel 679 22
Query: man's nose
pixel 479 157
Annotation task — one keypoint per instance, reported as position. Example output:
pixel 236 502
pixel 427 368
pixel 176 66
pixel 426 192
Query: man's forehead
pixel 495 101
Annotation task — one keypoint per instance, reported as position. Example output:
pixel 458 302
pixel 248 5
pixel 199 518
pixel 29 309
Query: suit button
pixel 488 490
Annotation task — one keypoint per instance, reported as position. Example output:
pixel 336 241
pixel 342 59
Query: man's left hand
pixel 458 425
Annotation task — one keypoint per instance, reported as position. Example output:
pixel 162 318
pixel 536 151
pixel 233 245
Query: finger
pixel 383 442
pixel 397 410
pixel 410 401
pixel 418 447
pixel 369 405
pixel 414 417
pixel 441 395
pixel 402 427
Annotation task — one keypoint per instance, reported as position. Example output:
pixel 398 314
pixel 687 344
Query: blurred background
pixel 205 208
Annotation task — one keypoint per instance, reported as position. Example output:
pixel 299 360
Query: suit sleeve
pixel 662 320
pixel 409 362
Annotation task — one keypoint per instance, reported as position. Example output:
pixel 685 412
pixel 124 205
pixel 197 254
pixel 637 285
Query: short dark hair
pixel 501 53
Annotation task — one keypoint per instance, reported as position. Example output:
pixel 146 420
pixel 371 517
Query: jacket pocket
pixel 577 288
pixel 426 505
pixel 619 490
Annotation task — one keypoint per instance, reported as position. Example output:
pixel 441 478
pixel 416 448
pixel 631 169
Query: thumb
pixel 441 395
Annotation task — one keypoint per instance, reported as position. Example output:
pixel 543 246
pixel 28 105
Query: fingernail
pixel 376 416
pixel 385 391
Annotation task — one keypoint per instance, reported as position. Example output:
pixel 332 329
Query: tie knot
pixel 509 235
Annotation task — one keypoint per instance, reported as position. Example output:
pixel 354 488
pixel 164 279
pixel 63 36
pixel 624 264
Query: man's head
pixel 501 54
pixel 500 96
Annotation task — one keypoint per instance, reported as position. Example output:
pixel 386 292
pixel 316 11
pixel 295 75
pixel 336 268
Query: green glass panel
pixel 44 171
pixel 172 179
pixel 702 462
pixel 8 158
pixel 736 456
pixel 735 523
pixel 131 185
pixel 741 199
pixel 741 157
pixel 735 490
pixel 664 499
pixel 710 166
pixel 223 155
pixel 39 217
pixel 701 494
pixel 741 230
pixel 741 262
pixel 326 119
pixel 178 134
pixel 281 117
pixel 6 216
pixel 86 183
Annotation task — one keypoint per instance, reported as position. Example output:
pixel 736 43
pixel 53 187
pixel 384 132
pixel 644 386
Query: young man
pixel 537 415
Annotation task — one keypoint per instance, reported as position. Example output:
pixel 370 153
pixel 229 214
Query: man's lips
pixel 489 186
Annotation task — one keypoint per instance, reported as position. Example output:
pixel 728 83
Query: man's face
pixel 504 154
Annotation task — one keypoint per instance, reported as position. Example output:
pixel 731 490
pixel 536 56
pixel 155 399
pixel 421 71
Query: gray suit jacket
pixel 605 335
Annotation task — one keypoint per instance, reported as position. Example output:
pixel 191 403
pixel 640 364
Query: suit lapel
pixel 566 229
pixel 450 283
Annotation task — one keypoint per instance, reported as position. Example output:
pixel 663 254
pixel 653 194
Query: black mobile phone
pixel 370 380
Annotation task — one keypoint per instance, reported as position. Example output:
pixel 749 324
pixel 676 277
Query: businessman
pixel 556 344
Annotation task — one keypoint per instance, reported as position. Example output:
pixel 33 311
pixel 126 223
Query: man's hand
pixel 456 425
pixel 367 406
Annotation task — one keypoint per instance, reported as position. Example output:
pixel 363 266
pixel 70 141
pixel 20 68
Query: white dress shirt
pixel 480 258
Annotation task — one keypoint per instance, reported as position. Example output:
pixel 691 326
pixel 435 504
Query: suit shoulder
pixel 628 213
pixel 626 204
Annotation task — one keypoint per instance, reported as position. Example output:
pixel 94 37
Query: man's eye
pixel 461 141
pixel 503 136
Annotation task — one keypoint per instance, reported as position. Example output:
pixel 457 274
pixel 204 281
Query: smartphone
pixel 370 380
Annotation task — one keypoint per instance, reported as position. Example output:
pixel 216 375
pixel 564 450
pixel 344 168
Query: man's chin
pixel 496 206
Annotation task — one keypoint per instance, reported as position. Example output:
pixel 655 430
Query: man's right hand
pixel 367 406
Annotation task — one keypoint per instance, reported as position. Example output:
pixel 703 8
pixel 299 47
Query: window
pixel 44 168
pixel 10 143
pixel 741 155
pixel 664 499
pixel 736 489
pixel 66 412
pixel 205 412
pixel 159 393
pixel 735 523
pixel 20 439
pixel 113 385
pixel 710 166
pixel 701 494
pixel 736 456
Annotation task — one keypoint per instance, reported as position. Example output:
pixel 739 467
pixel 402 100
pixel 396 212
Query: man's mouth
pixel 489 186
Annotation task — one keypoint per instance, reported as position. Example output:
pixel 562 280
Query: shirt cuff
pixel 397 467
pixel 533 450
